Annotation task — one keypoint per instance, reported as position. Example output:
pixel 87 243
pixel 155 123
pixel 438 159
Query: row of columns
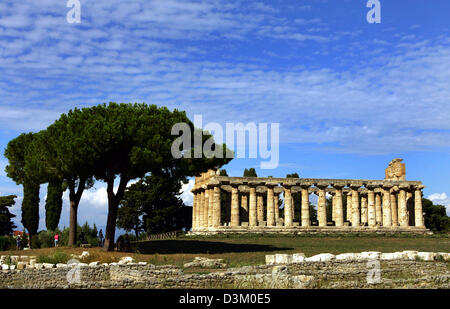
pixel 386 208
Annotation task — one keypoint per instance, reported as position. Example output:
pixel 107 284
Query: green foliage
pixel 53 204
pixel 35 242
pixel 30 207
pixel 58 257
pixel 90 234
pixel 435 217
pixel 223 172
pixel 7 243
pixel 157 199
pixel 6 225
pixel 251 172
pixel 46 239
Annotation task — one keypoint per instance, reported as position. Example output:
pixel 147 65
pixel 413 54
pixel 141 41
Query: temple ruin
pixel 266 205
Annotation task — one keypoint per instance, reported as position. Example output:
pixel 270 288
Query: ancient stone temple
pixel 253 204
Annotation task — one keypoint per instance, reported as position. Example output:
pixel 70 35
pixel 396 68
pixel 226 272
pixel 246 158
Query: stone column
pixel 387 215
pixel 321 207
pixel 244 207
pixel 394 208
pixel 402 209
pixel 234 207
pixel 206 209
pixel 210 207
pixel 333 206
pixel 378 210
pixel 202 209
pixel 276 208
pixel 371 209
pixel 293 207
pixel 270 207
pixel 364 210
pixel 418 212
pixel 349 206
pixel 260 207
pixel 305 206
pixel 287 206
pixel 356 217
pixel 252 216
pixel 337 207
pixel 194 211
pixel 217 220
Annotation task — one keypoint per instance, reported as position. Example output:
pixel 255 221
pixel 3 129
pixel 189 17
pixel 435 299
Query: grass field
pixel 244 250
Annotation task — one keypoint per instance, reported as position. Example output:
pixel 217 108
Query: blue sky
pixel 349 95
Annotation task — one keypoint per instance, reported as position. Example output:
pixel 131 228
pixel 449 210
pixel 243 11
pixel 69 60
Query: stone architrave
pixel 402 210
pixel 305 207
pixel 356 216
pixel 321 207
pixel 216 207
pixel 364 210
pixel 252 216
pixel 338 207
pixel 378 209
pixel 234 206
pixel 371 211
pixel 387 216
pixel 287 206
pixel 418 212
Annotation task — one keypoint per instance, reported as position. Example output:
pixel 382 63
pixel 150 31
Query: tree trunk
pixel 113 205
pixel 74 201
pixel 73 223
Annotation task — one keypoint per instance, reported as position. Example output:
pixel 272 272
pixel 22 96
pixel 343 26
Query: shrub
pixel 7 243
pixel 58 257
pixel 46 239
pixel 35 243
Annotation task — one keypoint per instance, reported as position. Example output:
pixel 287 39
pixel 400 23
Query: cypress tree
pixel 53 204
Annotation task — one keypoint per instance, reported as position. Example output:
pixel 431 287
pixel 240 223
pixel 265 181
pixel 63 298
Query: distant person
pixel 19 242
pixel 56 239
pixel 100 238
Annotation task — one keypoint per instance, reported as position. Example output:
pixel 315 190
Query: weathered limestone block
pixel 206 263
pixel 96 263
pixel 396 170
pixel 427 256
pixel 391 256
pixel 21 265
pixel 5 267
pixel 370 255
pixel 323 257
pixel 283 258
pixel 14 259
pixel 48 265
pixel 298 258
pixel 23 258
pixel 61 265
pixel 444 255
pixel 126 260
pixel 347 257
pixel 12 267
pixel 409 255
pixel 270 259
pixel 38 266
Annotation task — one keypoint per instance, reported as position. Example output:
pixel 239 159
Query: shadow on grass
pixel 199 246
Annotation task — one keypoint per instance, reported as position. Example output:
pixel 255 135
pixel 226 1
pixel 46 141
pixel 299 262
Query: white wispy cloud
pixel 441 199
